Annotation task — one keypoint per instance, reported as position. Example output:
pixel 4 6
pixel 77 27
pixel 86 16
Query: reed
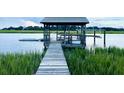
pixel 108 61
pixel 20 64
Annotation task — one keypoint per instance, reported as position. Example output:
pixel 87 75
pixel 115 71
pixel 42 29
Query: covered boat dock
pixel 66 38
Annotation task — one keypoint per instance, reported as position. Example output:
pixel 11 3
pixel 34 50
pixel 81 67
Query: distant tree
pixel 37 28
pixel 29 28
pixel 11 28
pixel 19 28
pixel 4 29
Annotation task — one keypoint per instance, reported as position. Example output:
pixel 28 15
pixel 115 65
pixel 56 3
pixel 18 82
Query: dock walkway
pixel 54 62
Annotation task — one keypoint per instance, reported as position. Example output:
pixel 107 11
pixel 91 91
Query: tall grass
pixel 20 64
pixel 108 61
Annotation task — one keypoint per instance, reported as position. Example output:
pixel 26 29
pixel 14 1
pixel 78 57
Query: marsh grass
pixel 20 64
pixel 108 61
pixel 60 32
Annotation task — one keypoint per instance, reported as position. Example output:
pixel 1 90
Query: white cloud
pixel 117 22
pixel 30 23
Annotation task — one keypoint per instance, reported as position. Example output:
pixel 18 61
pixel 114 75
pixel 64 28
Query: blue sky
pixel 117 22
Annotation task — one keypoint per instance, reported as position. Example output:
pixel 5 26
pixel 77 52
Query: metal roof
pixel 65 20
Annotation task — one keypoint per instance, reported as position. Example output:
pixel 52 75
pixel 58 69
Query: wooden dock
pixel 54 62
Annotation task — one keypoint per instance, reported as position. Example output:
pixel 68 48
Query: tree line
pixel 62 28
pixel 39 28
pixel 24 28
pixel 105 28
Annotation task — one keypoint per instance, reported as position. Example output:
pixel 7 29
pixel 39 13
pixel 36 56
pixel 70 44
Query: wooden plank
pixel 54 62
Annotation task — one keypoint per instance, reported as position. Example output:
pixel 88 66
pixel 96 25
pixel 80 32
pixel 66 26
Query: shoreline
pixel 33 31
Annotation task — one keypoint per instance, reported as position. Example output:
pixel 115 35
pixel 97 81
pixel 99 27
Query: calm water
pixel 11 43
pixel 111 40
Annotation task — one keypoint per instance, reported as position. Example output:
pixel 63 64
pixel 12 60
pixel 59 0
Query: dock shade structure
pixel 70 31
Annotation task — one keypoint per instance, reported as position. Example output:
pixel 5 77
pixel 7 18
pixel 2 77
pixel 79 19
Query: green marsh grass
pixel 108 61
pixel 19 63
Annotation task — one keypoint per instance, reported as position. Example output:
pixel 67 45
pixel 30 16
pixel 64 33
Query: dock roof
pixel 65 20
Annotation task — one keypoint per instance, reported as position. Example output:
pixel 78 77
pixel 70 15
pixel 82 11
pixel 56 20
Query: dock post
pixel 65 35
pixel 104 38
pixel 49 32
pixel 69 35
pixel 94 36
pixel 84 35
pixel 57 34
pixel 77 34
pixel 44 36
pixel 81 35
